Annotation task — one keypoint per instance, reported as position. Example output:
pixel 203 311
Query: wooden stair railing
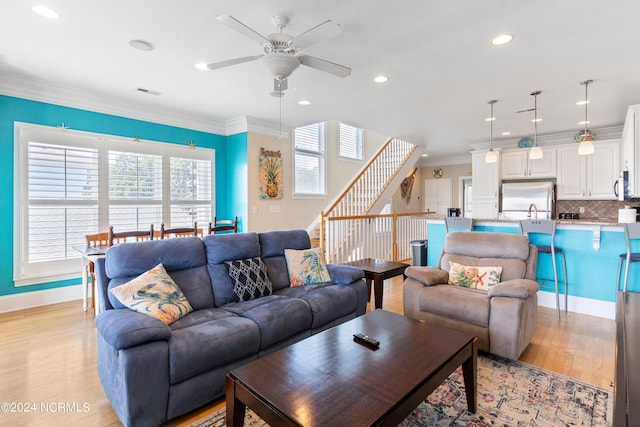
pixel 364 191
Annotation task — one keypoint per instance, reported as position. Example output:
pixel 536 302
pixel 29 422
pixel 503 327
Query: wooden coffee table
pixel 329 379
pixel 378 270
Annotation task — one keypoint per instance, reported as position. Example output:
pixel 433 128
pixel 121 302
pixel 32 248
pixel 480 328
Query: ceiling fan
pixel 282 51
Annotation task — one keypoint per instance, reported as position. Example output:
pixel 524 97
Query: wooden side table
pixel 378 270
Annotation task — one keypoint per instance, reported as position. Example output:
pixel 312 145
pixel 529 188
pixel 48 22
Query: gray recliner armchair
pixel 502 318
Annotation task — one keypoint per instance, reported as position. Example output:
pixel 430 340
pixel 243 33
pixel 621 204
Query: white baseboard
pixel 590 307
pixel 25 300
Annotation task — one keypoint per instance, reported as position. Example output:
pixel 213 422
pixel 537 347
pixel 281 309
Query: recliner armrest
pixel 428 276
pixel 516 288
pixel 344 274
pixel 124 328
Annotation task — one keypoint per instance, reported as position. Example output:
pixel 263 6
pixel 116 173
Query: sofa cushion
pixel 250 279
pixel 328 302
pixel 204 346
pixel 273 244
pixel 470 305
pixel 155 294
pixel 184 259
pixel 200 316
pixel 306 267
pixel 278 317
pixel 474 277
pixel 227 247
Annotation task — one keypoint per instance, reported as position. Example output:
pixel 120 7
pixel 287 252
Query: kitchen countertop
pixel 582 221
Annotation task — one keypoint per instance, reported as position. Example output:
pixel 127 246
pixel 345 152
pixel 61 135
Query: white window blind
pixel 309 159
pixel 350 142
pixel 71 184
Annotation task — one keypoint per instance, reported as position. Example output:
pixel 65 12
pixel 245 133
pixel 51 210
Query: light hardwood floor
pixel 48 358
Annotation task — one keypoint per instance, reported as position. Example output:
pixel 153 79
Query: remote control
pixel 365 339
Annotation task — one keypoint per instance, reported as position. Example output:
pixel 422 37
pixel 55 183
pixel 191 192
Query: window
pixel 309 159
pixel 350 142
pixel 76 183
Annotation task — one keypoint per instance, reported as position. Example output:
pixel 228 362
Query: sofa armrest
pixel 428 276
pixel 124 328
pixel 344 274
pixel 516 288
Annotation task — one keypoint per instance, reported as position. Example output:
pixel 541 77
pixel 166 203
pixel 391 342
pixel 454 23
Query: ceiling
pixel 437 54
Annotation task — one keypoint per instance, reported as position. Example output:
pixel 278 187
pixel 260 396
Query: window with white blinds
pixel 73 183
pixel 350 142
pixel 309 160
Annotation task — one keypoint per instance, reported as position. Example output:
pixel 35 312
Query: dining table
pixel 88 254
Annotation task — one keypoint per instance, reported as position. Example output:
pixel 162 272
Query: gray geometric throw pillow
pixel 250 279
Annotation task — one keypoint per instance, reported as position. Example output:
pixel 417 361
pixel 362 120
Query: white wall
pixel 289 213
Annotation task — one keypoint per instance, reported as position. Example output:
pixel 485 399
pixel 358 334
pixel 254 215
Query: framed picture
pixel 270 174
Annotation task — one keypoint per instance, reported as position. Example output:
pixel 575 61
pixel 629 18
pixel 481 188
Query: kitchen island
pixel 592 248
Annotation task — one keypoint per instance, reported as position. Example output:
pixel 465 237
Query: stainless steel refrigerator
pixel 519 199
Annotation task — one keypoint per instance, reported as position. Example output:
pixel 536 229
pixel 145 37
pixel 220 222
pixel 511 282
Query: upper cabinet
pixel 517 165
pixel 630 150
pixel 588 177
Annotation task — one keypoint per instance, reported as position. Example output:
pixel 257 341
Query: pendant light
pixel 536 152
pixel 585 138
pixel 491 156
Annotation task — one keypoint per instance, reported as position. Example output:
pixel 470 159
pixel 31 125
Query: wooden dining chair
pixel 223 225
pixel 179 231
pixel 124 235
pixel 98 239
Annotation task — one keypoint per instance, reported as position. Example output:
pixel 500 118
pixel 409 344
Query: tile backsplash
pixel 593 209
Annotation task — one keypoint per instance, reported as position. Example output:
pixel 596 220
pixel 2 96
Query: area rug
pixel 510 393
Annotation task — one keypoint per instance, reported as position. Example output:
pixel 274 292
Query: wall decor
pixel 406 187
pixel 437 173
pixel 270 174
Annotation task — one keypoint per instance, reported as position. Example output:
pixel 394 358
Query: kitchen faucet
pixel 535 209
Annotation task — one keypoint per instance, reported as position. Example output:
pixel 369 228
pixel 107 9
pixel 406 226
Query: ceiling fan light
pixel 535 153
pixel 585 147
pixel 280 65
pixel 491 157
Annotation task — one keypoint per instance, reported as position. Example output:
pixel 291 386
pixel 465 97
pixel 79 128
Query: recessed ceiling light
pixel 304 102
pixel 201 66
pixel 45 11
pixel 142 45
pixel 584 123
pixel 381 79
pixel 583 102
pixel 536 120
pixel 502 39
pixel 506 133
pixel 490 119
pixel 425 155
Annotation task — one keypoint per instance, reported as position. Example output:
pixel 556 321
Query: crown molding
pixel 612 132
pixel 35 89
pixel 445 161
pixel 255 125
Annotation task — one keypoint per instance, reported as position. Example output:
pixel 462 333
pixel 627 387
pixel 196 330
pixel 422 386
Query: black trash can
pixel 419 252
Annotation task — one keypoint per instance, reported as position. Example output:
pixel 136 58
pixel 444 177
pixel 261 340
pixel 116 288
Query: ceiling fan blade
pixel 324 31
pixel 280 85
pixel 229 62
pixel 324 65
pixel 233 23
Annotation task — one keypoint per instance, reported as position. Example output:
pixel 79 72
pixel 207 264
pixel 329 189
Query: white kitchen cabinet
pixel 486 183
pixel 590 177
pixel 517 165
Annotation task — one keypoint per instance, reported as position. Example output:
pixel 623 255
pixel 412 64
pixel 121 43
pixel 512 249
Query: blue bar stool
pixel 631 231
pixel 548 227
pixel 458 222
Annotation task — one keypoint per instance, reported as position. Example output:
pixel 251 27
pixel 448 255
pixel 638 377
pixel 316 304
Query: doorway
pixel 437 195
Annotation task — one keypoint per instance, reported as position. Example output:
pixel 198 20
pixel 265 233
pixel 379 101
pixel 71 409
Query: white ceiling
pixel 442 68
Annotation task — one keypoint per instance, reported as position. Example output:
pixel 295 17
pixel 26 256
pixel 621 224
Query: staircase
pixel 367 193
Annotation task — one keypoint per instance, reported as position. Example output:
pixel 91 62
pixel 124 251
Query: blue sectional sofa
pixel 152 372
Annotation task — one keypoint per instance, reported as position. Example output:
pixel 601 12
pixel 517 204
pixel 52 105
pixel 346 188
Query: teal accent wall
pixel 231 162
pixel 237 184
pixel 591 273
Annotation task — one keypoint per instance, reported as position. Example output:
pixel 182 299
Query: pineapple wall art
pixel 270 174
